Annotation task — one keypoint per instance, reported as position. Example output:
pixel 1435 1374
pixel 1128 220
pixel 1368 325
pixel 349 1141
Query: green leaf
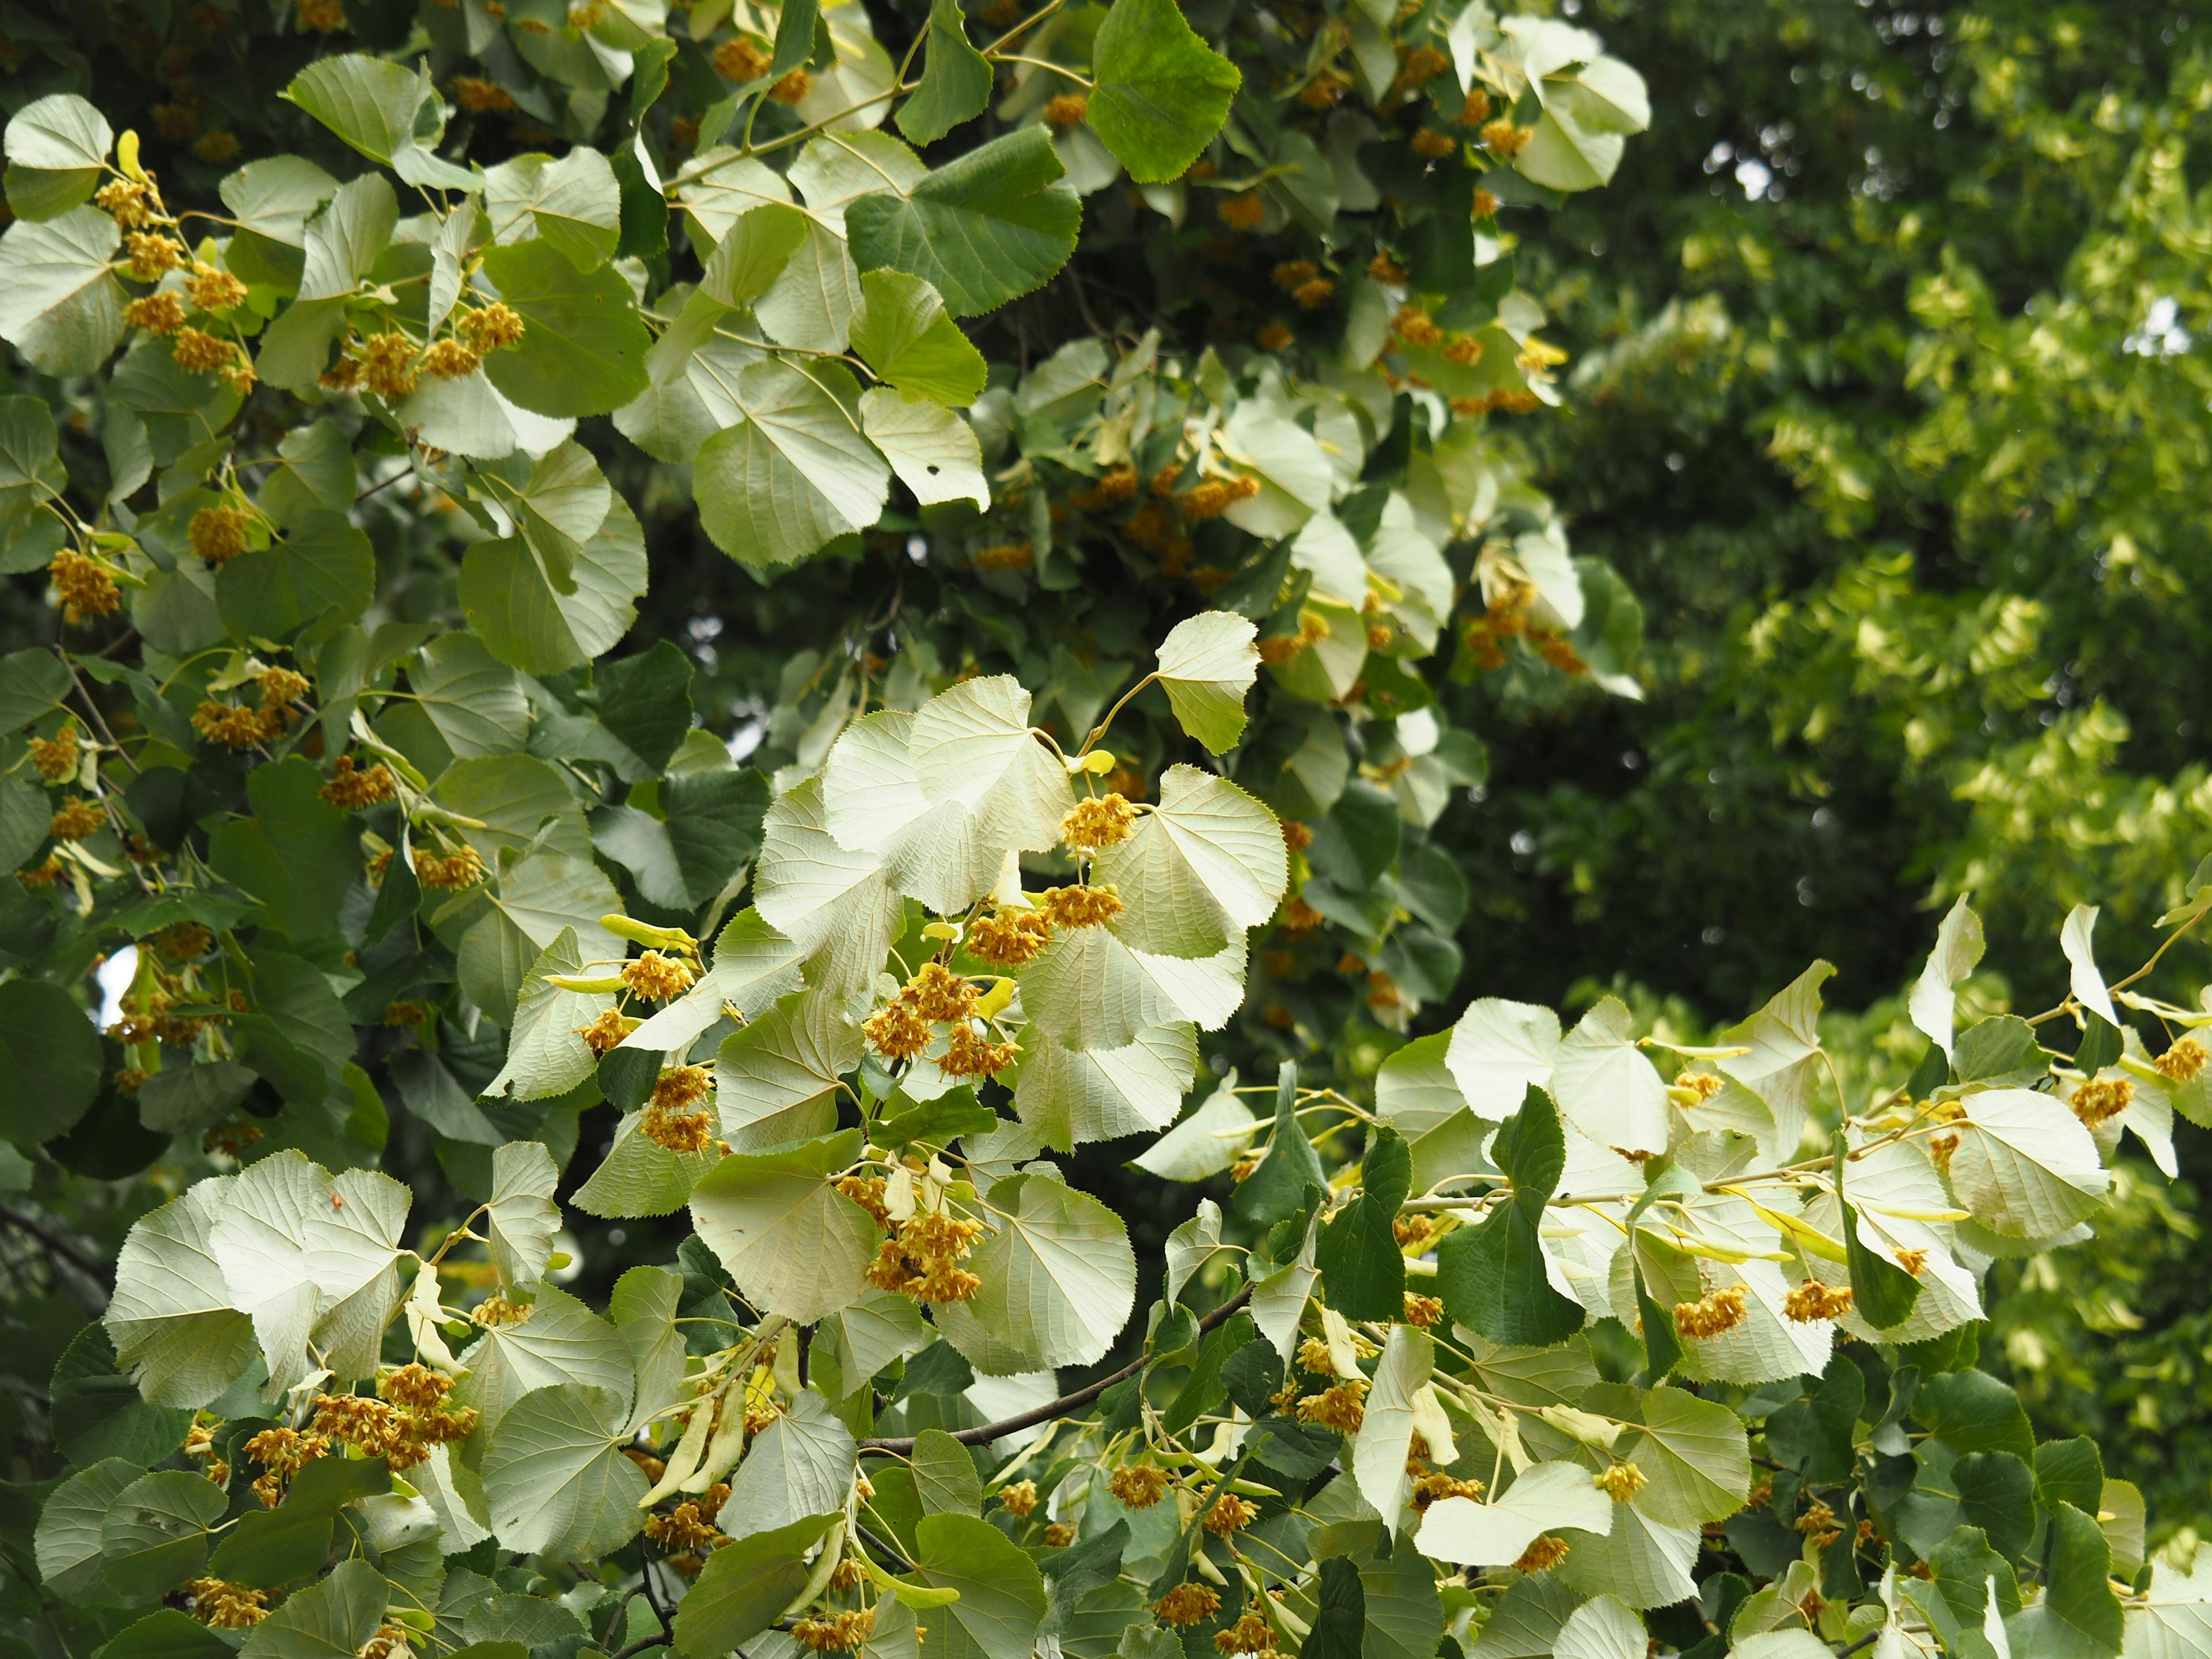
pixel 536 899
pixel 812 303
pixel 275 1547
pixel 955 80
pixel 31 472
pixel 323 565
pixel 1277 1188
pixel 1059 1279
pixel 1203 865
pixel 57 146
pixel 60 305
pixel 573 204
pixel 801 1464
pixel 50 1062
pixel 1206 1143
pixel 795 472
pixel 32 683
pixel 273 198
pixel 1386 1431
pixel 1002 1599
pixel 2079 1617
pixel 583 346
pixel 1161 93
pixel 768 1073
pixel 1207 665
pixel 562 1341
pixel 554 1478
pixel 66 1544
pixel 753 253
pixel 327 1620
pixel 520 1217
pixel 1363 1272
pixel 156 1535
pixel 545 1055
pixel 794 35
pixel 1882 1293
pixel 794 1244
pixel 1543 1497
pixel 1070 1096
pixel 528 622
pixel 906 336
pixel 166 1633
pixel 1493 1276
pixel 945 1475
pixel 376 108
pixel 834 905
pixel 933 451
pixel 746 1586
pixel 2070 1472
pixel 987 227
pixel 475 701
pixel 97 1412
pixel 1695 1459
pixel 297 854
pixel 171 1319
pixel 1971 1410
pixel 2024 1165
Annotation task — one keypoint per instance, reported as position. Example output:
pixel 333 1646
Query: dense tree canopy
pixel 800 795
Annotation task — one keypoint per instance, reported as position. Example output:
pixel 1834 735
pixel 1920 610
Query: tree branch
pixel 983 1434
pixel 98 1271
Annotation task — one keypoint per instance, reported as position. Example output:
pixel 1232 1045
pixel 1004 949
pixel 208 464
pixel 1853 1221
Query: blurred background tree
pixel 1890 405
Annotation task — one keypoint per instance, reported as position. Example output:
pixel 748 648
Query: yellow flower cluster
pixel 1082 906
pixel 1139 1487
pixel 670 1121
pixel 282 1453
pixel 1430 1487
pixel 921 1258
pixel 1008 938
pixel 221 1605
pixel 838 1632
pixel 1019 1499
pixel 607 1032
pixel 354 789
pixel 77 819
pixel 1249 1634
pixel 656 977
pixel 1813 1301
pixel 1423 1310
pixel 2183 1061
pixel 741 59
pixel 449 871
pixel 1228 1514
pixel 1067 109
pixel 402 1437
pixel 2096 1102
pixel 1716 1312
pixel 85 587
pixel 56 757
pixel 217 534
pixel 1101 821
pixel 1337 1407
pixel 1215 496
pixel 1543 1555
pixel 1188 1604
pixel 493 328
pixel 1619 1481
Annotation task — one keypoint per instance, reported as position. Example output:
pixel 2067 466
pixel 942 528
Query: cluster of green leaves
pixel 1495 1379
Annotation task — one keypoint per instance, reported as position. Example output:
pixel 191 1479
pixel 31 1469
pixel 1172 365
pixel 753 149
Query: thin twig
pixel 987 1432
pixel 93 709
pixel 98 1271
